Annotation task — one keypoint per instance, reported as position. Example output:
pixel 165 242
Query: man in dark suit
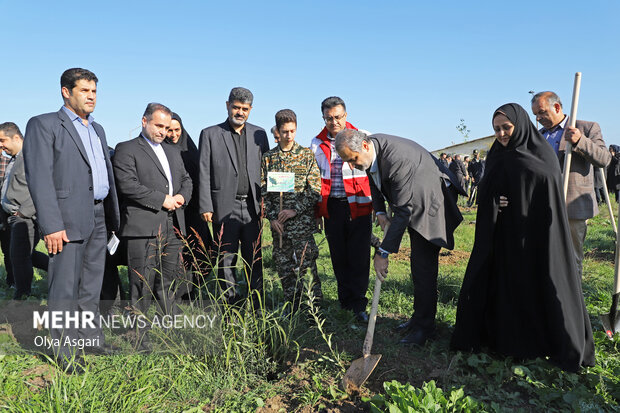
pixel 154 187
pixel 457 167
pixel 589 152
pixel 443 158
pixel 476 172
pixel 19 213
pixel 422 194
pixel 71 181
pixel 230 195
pixel 5 234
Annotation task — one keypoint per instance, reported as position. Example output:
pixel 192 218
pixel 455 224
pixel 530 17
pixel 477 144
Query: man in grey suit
pixel 589 150
pixel 18 208
pixel 71 181
pixel 230 195
pixel 154 188
pixel 422 194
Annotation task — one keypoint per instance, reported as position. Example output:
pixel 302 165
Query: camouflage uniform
pixel 298 245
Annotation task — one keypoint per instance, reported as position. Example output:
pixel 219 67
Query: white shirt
pixel 374 168
pixel 163 160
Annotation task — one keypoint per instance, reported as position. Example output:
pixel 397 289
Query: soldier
pixel 295 221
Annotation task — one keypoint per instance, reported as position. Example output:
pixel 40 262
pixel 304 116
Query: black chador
pixel 521 295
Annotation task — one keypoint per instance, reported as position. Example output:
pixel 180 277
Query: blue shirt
pixel 554 136
pixel 94 152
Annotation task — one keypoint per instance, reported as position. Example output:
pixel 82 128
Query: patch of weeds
pixel 430 398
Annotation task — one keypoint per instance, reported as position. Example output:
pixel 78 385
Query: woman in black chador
pixel 521 295
pixel 178 136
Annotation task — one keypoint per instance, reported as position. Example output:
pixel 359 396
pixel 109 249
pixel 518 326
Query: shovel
pixel 608 202
pixel 611 321
pixel 361 368
pixel 572 121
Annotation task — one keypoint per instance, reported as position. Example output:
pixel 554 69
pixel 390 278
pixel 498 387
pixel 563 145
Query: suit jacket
pixel 589 151
pixel 17 191
pixel 219 170
pixel 414 183
pixel 60 179
pixel 143 186
pixel 457 167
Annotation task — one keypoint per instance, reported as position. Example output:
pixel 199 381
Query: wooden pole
pixel 611 212
pixel 282 226
pixel 572 119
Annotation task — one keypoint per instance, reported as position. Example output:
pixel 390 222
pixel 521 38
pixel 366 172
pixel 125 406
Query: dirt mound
pixel 446 257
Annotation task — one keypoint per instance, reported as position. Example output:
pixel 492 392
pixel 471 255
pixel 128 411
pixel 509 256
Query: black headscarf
pixel 526 148
pixel 190 155
pixel 188 149
pixel 184 143
pixel 521 295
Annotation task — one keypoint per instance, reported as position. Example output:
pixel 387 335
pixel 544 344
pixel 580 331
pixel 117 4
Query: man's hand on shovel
pixel 381 267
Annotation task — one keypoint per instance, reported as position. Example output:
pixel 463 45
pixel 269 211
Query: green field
pixel 270 362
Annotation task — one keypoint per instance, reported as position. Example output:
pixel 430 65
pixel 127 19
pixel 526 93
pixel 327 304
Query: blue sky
pixel 412 69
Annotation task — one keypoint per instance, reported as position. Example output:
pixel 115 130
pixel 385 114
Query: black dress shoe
pixel 403 327
pixel 361 316
pixel 417 337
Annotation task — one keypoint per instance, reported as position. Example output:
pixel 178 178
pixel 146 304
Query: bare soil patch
pixel 599 255
pixel 38 377
pixel 446 257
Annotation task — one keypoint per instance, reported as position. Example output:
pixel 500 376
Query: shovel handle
pixel 617 261
pixel 370 332
pixel 568 157
pixel 611 212
pixel 572 122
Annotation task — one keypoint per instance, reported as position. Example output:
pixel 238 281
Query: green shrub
pixel 430 398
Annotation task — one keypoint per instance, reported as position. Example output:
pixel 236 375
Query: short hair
pixel 285 116
pixel 442 154
pixel 154 107
pixel 351 139
pixel 10 129
pixel 240 94
pixel 332 102
pixel 273 130
pixel 552 97
pixel 70 77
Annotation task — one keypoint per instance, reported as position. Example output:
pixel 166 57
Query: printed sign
pixel 280 182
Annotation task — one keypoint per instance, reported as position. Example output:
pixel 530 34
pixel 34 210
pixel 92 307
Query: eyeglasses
pixel 330 119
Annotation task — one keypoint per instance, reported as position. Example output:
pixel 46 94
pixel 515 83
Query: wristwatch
pixel 383 253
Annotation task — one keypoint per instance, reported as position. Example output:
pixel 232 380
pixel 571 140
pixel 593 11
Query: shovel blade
pixel 359 372
pixel 611 324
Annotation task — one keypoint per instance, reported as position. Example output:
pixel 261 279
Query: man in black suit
pixel 422 194
pixel 230 195
pixel 71 181
pixel 457 167
pixel 154 187
pixel 19 213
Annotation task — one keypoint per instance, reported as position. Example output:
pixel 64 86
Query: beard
pixel 237 121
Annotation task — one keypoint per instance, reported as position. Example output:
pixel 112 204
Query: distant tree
pixel 462 128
